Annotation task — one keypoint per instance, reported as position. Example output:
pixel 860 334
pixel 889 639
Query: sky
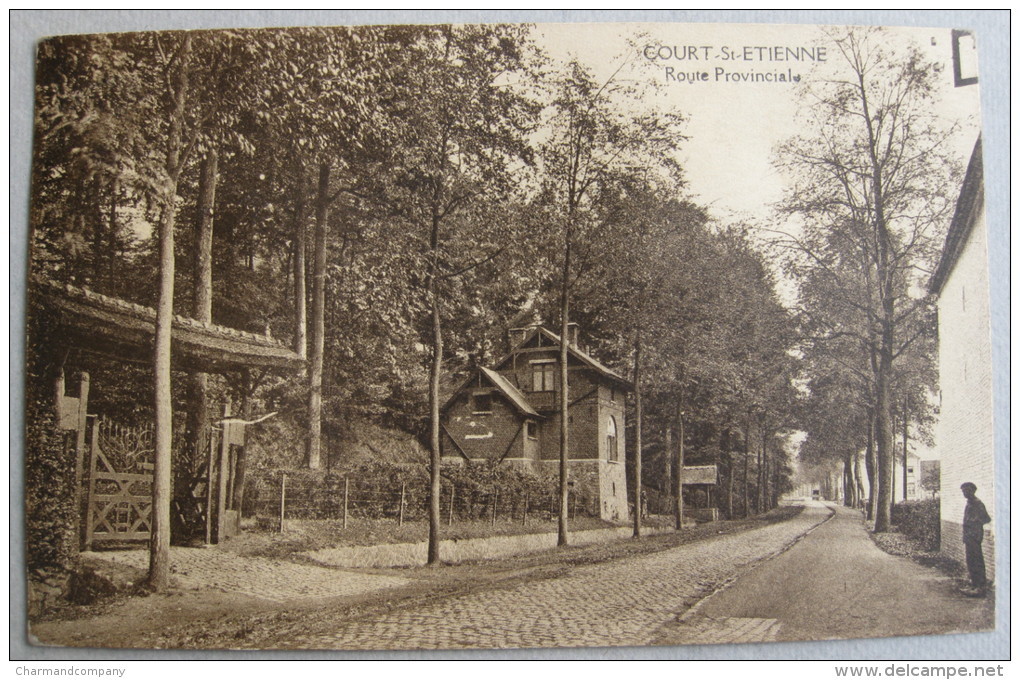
pixel 734 125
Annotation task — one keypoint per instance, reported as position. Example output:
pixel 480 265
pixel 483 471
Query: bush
pixel 920 520
pixel 50 493
pixel 375 491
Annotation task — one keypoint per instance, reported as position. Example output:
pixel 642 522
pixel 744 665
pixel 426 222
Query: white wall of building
pixel 964 434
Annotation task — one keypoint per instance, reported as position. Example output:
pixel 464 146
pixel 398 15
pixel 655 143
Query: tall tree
pixel 593 146
pixel 869 186
pixel 461 149
pixel 322 105
pixel 179 141
pixel 650 232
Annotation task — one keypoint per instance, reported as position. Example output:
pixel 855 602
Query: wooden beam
pixel 583 397
pixel 512 441
pixel 455 444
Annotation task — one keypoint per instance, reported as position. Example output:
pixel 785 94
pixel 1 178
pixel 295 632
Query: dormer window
pixel 543 375
pixel 481 402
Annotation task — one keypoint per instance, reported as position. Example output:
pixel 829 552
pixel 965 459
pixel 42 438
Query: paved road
pixel 624 602
pixel 835 583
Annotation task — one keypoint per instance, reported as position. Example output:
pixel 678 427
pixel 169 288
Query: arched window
pixel 611 450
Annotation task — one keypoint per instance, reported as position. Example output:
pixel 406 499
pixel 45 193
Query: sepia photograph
pixel 469 335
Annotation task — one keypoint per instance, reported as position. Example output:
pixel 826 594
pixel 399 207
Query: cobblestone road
pixel 257 577
pixel 620 603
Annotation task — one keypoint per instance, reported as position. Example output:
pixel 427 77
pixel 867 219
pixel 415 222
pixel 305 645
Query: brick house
pixel 509 414
pixel 964 435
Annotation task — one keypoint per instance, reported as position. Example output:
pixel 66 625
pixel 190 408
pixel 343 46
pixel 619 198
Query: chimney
pixel 572 331
pixel 517 335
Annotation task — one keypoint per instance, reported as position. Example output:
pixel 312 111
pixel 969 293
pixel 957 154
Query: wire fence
pixel 349 498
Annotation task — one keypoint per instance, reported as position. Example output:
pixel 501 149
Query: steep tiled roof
pixel 574 351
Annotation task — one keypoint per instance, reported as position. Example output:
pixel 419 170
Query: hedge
pixel 375 489
pixel 919 520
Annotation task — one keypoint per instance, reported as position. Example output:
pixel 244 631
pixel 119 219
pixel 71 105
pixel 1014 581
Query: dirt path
pixel 834 583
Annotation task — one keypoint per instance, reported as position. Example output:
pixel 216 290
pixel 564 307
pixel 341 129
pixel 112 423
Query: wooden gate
pixel 119 483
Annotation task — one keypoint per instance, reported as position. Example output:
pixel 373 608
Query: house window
pixel 531 430
pixel 612 452
pixel 481 402
pixel 910 470
pixel 543 376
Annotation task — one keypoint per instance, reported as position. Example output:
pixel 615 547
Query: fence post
pixel 573 505
pixel 525 520
pixel 283 499
pixel 347 491
pixel 495 501
pixel 400 517
pixel 453 496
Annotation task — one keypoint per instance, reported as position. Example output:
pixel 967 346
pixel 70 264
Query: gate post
pixel 221 500
pixel 209 486
pixel 93 454
pixel 79 457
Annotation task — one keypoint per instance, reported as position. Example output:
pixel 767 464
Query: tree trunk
pixel 883 426
pixel 848 486
pixel 159 541
pixel 638 417
pixel 680 468
pixel 674 476
pixel 111 247
pixel 201 300
pixel 435 372
pixel 761 468
pixel 564 386
pixel 300 273
pixel 729 484
pixel 313 450
pixel 886 319
pixel 871 466
pixel 747 462
pixel 906 425
pixel 95 193
pixel 858 482
pixel 241 459
pixel 892 479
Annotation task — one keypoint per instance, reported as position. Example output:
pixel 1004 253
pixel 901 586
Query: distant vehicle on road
pixel 816 495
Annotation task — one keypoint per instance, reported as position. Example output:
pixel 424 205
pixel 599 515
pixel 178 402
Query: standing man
pixel 975 517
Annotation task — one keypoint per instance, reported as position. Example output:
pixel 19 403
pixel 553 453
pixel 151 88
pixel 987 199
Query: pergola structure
pixel 124 330
pixel 114 492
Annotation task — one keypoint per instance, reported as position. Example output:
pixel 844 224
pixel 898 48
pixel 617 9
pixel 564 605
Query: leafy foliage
pixel 459 172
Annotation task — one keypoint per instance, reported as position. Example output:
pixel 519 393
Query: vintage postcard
pixel 508 336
